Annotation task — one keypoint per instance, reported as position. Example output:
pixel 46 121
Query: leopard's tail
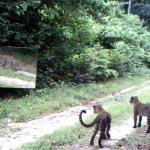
pixel 81 121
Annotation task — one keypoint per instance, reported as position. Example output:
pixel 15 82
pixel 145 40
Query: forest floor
pixel 16 134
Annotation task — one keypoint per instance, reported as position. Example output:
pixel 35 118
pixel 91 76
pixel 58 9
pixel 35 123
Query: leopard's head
pixel 97 108
pixel 133 99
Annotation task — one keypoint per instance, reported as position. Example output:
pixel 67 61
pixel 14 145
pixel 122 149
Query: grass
pixel 9 73
pixel 137 140
pixel 61 138
pixel 51 100
pixel 29 70
pixel 4 85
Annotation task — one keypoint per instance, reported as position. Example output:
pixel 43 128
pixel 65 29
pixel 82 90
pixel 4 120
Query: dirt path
pixel 118 131
pixel 14 82
pixel 17 82
pixel 26 73
pixel 16 134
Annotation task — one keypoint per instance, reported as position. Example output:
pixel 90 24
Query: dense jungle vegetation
pixel 79 41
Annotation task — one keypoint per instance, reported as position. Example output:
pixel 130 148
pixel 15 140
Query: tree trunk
pixel 129 7
pixel 32 92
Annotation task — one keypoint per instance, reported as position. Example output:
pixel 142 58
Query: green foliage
pixel 3 110
pixel 78 42
pixel 116 48
pixel 142 10
pixel 100 65
pixel 19 23
pixel 124 37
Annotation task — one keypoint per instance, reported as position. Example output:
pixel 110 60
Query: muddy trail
pixel 16 134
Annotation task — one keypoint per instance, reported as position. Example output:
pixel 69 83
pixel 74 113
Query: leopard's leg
pixel 140 119
pixel 102 132
pixel 104 136
pixel 4 62
pixel 135 121
pixel 107 131
pixel 94 134
pixel 148 124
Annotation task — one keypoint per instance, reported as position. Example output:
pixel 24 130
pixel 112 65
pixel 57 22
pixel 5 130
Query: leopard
pixel 6 61
pixel 102 123
pixel 140 110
